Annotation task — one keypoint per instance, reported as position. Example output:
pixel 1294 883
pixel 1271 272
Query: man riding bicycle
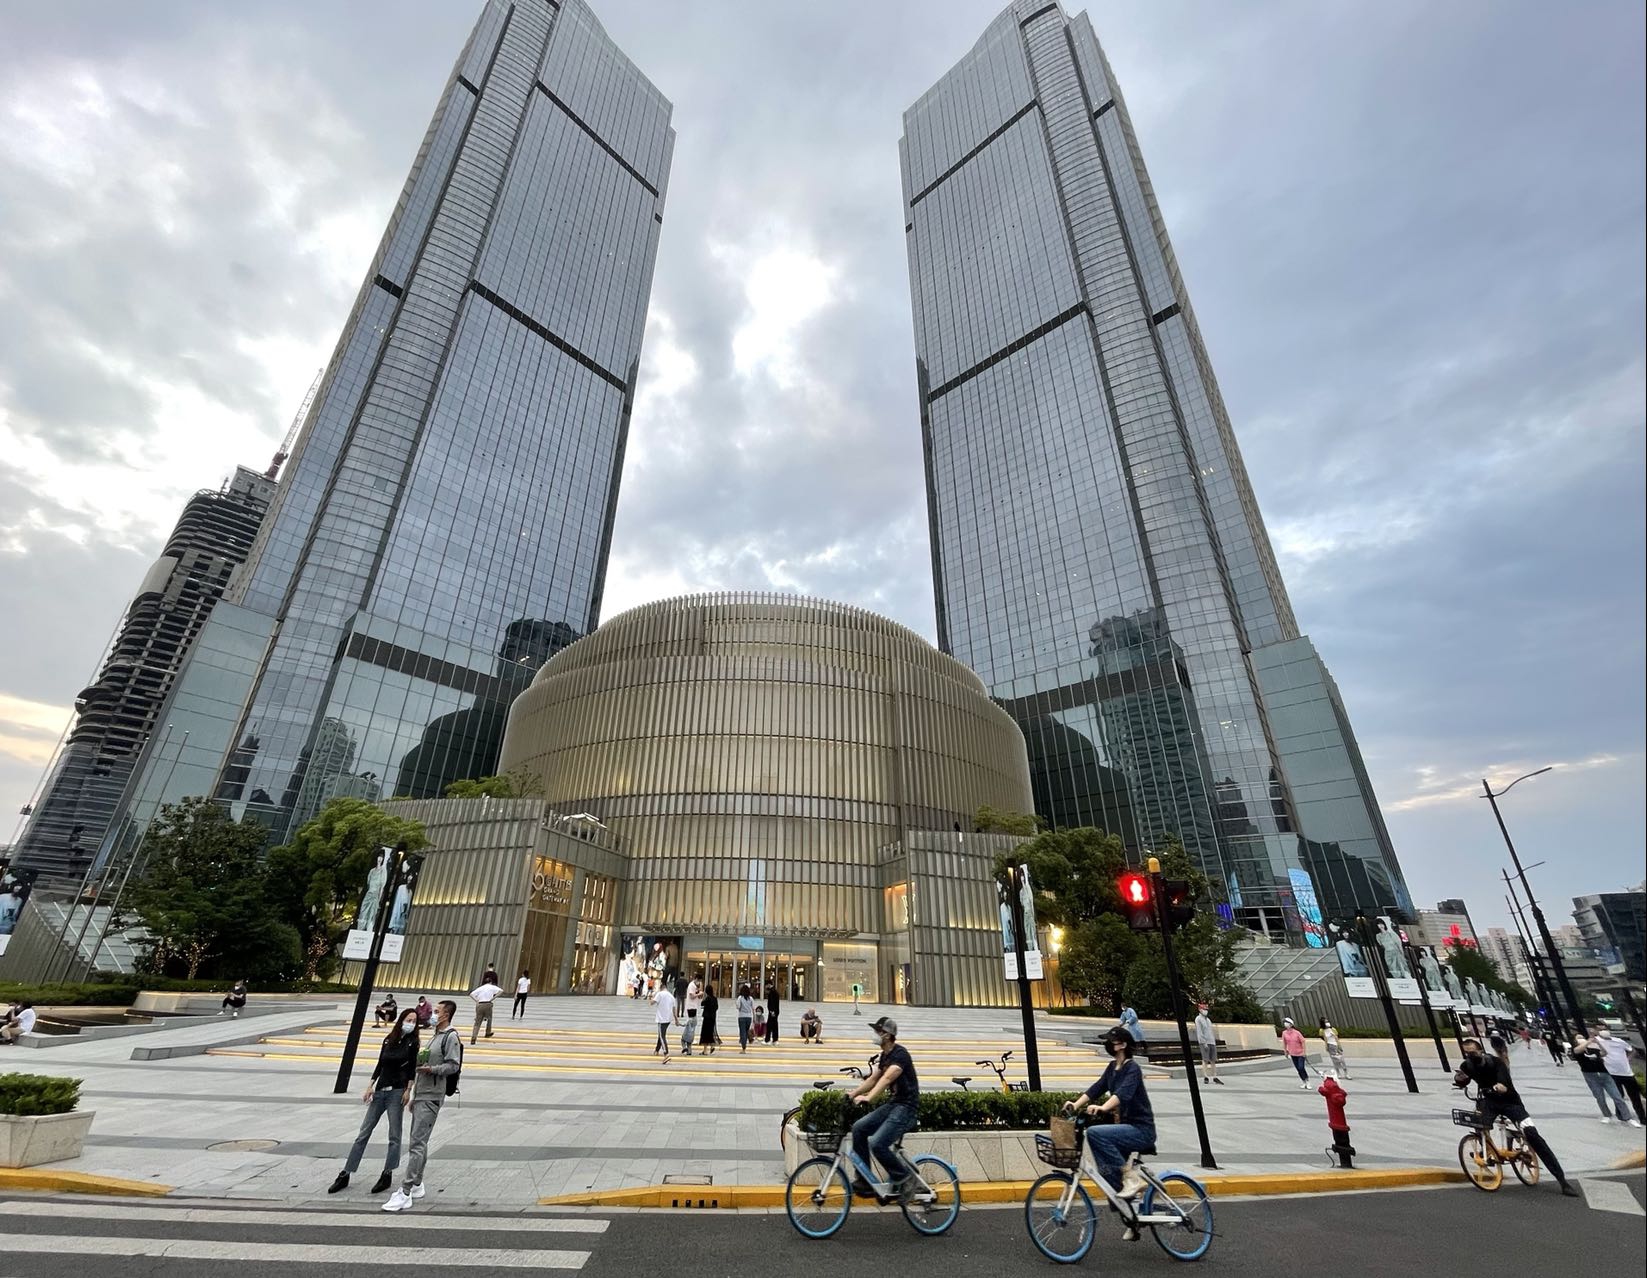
pixel 1132 1132
pixel 881 1129
pixel 1500 1099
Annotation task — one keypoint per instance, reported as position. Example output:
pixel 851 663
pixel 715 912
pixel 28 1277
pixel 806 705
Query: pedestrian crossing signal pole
pixel 1165 919
pixel 368 975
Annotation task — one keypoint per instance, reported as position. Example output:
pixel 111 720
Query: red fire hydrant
pixel 1336 1121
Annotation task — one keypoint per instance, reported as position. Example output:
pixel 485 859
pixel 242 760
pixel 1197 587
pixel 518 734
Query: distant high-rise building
pixel 1616 922
pixel 116 713
pixel 1509 955
pixel 443 524
pixel 1097 551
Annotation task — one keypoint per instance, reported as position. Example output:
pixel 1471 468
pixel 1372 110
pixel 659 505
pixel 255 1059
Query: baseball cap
pixel 885 1025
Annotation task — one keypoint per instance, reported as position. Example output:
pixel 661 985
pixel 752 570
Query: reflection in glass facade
pixel 1098 554
pixel 443 524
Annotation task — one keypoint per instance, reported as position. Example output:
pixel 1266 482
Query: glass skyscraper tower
pixel 443 524
pixel 1098 555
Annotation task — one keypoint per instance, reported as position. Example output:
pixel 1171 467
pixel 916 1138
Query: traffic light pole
pixel 1026 1003
pixel 1158 903
pixel 1375 965
pixel 368 975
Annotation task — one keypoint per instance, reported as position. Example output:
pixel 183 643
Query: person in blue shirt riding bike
pixel 882 1128
pixel 1133 1130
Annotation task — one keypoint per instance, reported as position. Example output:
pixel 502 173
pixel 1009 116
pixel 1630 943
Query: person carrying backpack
pixel 439 1066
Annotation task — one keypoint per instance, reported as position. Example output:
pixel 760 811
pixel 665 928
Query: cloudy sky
pixel 1413 234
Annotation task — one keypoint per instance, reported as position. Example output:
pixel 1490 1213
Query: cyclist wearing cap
pixel 881 1129
pixel 1133 1130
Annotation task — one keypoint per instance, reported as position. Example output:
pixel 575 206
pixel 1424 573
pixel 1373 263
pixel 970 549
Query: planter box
pixel 28 1141
pixel 975 1155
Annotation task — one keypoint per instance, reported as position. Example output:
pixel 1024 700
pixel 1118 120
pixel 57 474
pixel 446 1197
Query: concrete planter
pixel 29 1140
pixel 975 1155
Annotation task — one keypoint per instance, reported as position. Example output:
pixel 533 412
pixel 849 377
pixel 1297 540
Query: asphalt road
pixel 1451 1230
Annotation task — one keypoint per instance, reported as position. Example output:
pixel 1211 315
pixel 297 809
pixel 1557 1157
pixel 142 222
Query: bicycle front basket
pixel 1472 1118
pixel 1056 1155
pixel 825 1142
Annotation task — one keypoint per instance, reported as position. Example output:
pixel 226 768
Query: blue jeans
pixel 385 1100
pixel 1112 1142
pixel 1605 1089
pixel 689 1032
pixel 878 1131
pixel 743 1030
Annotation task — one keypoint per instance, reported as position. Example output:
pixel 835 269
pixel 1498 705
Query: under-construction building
pixel 116 713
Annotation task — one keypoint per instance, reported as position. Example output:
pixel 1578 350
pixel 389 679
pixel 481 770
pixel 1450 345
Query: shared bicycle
pixel 1483 1156
pixel 1063 1221
pixel 818 1197
pixel 1000 1073
pixel 856 1072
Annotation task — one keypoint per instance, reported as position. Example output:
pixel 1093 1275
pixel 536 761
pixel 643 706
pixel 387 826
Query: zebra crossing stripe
pixel 369 1217
pixel 291 1253
pixel 1610 1195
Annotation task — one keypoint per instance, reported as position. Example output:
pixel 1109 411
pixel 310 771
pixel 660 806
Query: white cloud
pixel 1433 788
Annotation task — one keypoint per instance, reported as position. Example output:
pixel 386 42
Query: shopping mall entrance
pixel 730 962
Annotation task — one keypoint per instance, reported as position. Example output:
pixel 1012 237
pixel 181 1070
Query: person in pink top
pixel 1293 1042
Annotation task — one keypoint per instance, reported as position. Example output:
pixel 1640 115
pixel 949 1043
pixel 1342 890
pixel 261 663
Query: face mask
pixel 1604 1033
pixel 406 1027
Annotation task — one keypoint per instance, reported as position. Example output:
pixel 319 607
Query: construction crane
pixel 285 450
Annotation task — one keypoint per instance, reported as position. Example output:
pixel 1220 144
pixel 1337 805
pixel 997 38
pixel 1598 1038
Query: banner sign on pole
pixel 1032 942
pixel 357 946
pixel 1358 982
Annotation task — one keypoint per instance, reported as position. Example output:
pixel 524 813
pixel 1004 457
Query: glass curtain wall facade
pixel 1098 554
pixel 444 520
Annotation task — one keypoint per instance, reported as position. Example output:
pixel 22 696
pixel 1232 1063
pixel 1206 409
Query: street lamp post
pixel 1538 915
pixel 1541 984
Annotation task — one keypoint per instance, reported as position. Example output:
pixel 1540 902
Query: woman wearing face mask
pixel 1499 1098
pixel 1615 1055
pixel 389 1093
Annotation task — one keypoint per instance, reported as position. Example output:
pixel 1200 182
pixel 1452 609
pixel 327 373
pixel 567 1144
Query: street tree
pixel 518 784
pixel 317 880
pixel 201 896
pixel 990 820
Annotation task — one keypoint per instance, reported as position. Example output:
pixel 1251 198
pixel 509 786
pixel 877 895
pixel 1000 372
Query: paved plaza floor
pixel 571 1099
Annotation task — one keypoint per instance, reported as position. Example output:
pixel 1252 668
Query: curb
pixel 73 1182
pixel 1012 1191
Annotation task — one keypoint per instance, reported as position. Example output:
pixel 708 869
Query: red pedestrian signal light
pixel 1137 902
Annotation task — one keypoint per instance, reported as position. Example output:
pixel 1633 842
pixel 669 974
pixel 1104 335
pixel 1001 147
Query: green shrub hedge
pixel 948 1111
pixel 31 1094
pixel 124 992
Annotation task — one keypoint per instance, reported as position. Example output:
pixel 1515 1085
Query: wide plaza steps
pixel 627 1052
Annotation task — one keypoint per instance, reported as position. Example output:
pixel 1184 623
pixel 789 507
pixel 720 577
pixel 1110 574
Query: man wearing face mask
pixel 389 1093
pixel 881 1129
pixel 1499 1098
pixel 1133 1130
pixel 1615 1055
pixel 437 1065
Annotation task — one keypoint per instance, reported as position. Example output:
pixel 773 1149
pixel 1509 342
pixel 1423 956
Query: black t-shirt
pixel 1486 1071
pixel 906 1088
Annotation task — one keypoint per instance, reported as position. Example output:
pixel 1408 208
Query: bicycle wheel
pixel 1523 1162
pixel 818 1197
pixel 1479 1165
pixel 1064 1236
pixel 1190 1235
pixel 938 1215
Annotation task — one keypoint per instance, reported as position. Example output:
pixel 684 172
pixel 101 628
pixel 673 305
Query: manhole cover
pixel 243 1146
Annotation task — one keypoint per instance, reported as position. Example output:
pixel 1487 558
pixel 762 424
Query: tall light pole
pixel 1550 950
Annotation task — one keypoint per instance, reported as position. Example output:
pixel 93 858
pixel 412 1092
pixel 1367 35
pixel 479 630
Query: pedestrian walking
pixel 1129 1022
pixel 1292 1042
pixel 709 1036
pixel 746 1016
pixel 1615 1055
pixel 523 987
pixel 1526 1037
pixel 1500 1098
pixel 1554 1045
pixel 773 999
pixel 1335 1049
pixel 663 1011
pixel 387 1096
pixel 678 987
pixel 1594 1066
pixel 490 975
pixel 1206 1037
pixel 439 1065
pixel 235 999
pixel 694 1005
pixel 485 995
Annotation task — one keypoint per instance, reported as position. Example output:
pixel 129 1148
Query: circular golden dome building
pixel 794 783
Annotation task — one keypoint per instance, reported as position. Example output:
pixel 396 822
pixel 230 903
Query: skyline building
pixel 443 524
pixel 1097 551
pixel 117 710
